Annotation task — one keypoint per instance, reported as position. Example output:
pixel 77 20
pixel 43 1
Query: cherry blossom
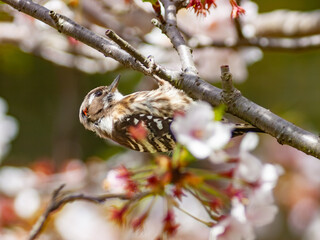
pixel 254 207
pixel 235 226
pixel 119 181
pixel 249 168
pixel 236 9
pixel 198 132
pixel 82 220
pixel 240 224
pixel 260 210
pixel 27 197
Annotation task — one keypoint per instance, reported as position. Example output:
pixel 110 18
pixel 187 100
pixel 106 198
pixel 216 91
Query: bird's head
pixel 96 104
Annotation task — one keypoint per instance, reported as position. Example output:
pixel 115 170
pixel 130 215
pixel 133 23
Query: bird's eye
pixel 98 93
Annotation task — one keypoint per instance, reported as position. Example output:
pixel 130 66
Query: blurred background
pixel 43 96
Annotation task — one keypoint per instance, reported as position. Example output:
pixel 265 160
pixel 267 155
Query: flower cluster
pixel 217 26
pixel 299 198
pixel 202 7
pixel 236 9
pixel 199 133
pixel 150 183
pixel 24 191
pixel 251 207
pixel 119 181
pixel 236 195
pixel 37 38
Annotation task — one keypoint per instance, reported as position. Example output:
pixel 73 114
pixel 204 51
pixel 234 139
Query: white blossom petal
pixel 262 215
pixel 249 142
pixel 199 133
pixel 261 210
pixel 13 180
pixel 269 176
pixel 113 183
pixel 198 149
pixel 221 135
pixel 235 226
pixel 27 203
pixel 249 168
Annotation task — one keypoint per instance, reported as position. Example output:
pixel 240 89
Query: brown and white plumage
pixel 110 115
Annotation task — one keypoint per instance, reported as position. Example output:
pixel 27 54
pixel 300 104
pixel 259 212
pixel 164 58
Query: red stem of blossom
pixel 170 227
pixel 201 7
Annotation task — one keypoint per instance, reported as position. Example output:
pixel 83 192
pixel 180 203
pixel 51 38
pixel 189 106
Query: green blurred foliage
pixel 306 5
pixel 288 84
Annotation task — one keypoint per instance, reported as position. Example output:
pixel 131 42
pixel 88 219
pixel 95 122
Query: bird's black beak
pixel 114 84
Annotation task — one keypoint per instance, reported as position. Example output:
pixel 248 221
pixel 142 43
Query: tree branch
pixel 127 47
pixel 170 29
pixel 58 201
pixel 284 131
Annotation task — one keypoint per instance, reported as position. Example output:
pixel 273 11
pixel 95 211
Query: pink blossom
pixel 235 226
pixel 249 168
pixel 28 197
pixel 255 209
pixel 269 176
pixel 113 183
pixel 198 132
pixel 260 210
pixel 119 181
pixel 236 9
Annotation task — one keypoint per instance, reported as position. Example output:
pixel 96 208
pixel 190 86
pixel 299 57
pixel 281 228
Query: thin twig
pixel 127 47
pixel 208 224
pixel 57 201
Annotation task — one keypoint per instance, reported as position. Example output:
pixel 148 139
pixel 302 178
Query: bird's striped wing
pixel 144 133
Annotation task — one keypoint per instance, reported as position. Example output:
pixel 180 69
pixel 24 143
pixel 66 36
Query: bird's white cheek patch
pixel 118 96
pixel 106 124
